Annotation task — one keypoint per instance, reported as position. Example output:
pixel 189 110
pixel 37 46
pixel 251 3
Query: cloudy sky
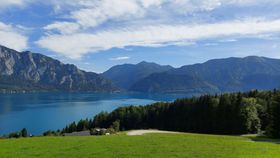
pixel 97 34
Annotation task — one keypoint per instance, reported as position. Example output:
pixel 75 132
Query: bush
pixel 22 133
pixel 14 135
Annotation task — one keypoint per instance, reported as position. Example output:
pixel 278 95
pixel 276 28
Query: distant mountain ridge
pixel 126 75
pixel 35 72
pixel 216 76
pixel 26 71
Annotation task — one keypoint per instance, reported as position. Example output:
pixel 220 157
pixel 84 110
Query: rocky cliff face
pixel 30 71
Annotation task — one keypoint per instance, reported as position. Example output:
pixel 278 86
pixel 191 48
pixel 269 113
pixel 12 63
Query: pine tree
pixel 23 132
pixel 273 128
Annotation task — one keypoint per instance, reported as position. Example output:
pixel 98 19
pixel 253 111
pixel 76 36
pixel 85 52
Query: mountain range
pixel 126 75
pixel 213 76
pixel 27 71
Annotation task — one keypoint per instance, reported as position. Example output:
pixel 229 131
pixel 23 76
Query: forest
pixel 233 114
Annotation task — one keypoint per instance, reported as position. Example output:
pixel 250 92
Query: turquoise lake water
pixel 39 112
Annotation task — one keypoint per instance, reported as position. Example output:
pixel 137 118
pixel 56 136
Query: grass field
pixel 146 146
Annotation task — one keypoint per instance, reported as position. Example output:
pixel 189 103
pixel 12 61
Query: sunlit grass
pixel 150 145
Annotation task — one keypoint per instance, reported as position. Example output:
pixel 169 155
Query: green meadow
pixel 145 146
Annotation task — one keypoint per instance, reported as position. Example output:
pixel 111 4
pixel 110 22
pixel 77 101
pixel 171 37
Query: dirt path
pixel 142 132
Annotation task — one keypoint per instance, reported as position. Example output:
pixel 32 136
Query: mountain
pixel 126 75
pixel 26 71
pixel 35 72
pixel 219 75
pixel 169 83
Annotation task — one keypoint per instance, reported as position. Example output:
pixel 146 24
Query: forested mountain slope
pixel 219 75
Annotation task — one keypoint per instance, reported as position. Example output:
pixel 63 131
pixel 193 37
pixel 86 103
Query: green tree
pixel 116 125
pixel 83 125
pixel 249 113
pixel 235 113
pixel 72 127
pixel 273 128
pixel 23 133
pixel 101 120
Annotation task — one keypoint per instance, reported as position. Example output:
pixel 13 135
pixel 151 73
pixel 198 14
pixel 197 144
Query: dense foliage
pixel 235 113
pixel 20 134
pixel 274 117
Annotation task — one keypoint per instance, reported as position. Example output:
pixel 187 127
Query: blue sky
pixel 97 34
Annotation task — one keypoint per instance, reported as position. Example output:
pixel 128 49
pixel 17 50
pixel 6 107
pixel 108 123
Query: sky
pixel 98 34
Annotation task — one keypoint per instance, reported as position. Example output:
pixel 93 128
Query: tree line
pixel 234 113
pixel 21 134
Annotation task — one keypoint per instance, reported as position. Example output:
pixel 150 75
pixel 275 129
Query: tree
pixel 101 120
pixel 23 133
pixel 72 127
pixel 116 125
pixel 273 129
pixel 83 125
pixel 235 113
pixel 249 113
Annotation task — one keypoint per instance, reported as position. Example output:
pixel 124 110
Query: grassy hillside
pixel 150 145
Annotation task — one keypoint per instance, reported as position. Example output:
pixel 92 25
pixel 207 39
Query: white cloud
pixel 91 13
pixel 126 24
pixel 12 37
pixel 7 3
pixel 120 58
pixel 148 3
pixel 251 2
pixel 228 40
pixel 106 10
pixel 78 44
pixel 63 27
pixel 15 3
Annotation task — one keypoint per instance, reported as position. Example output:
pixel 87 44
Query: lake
pixel 39 112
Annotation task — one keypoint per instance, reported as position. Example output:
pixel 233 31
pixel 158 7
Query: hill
pixel 126 75
pixel 219 75
pixel 150 145
pixel 35 72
